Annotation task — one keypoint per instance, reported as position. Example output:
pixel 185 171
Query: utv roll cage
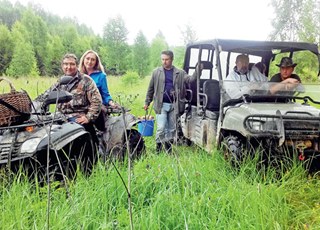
pixel 267 50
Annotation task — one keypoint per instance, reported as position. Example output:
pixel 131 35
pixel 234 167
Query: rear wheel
pixel 135 143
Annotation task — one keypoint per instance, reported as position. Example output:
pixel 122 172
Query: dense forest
pixel 33 41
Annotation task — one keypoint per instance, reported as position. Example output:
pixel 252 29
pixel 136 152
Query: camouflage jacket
pixel 86 97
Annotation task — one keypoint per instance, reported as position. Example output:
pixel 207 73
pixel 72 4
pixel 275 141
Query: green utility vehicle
pixel 244 117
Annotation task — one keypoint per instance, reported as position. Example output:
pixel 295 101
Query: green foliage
pixel 130 78
pixel 296 20
pixel 8 13
pixel 55 53
pixel 6 48
pixel 51 37
pixel 179 52
pixel 158 44
pixel 23 62
pixel 37 36
pixel 310 19
pixel 140 55
pixel 115 37
pixel 70 38
pixel 190 189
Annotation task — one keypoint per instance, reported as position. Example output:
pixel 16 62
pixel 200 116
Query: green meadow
pixel 189 189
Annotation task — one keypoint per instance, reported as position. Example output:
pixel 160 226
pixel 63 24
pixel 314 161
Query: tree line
pixel 33 41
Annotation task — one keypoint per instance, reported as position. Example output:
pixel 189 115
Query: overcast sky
pixel 235 19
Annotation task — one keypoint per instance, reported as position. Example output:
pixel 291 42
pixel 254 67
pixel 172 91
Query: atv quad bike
pixel 48 144
pixel 244 117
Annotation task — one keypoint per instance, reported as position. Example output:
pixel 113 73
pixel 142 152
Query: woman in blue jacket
pixel 90 64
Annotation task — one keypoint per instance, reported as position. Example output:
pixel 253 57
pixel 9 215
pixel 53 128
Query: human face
pixel 242 66
pixel 166 61
pixel 90 61
pixel 286 72
pixel 69 66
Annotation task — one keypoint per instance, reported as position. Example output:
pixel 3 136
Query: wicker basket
pixel 15 107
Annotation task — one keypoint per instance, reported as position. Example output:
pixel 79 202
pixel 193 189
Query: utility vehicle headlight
pixel 30 145
pixel 256 125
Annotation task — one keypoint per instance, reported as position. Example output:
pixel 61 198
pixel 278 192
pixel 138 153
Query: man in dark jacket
pixel 286 76
pixel 167 89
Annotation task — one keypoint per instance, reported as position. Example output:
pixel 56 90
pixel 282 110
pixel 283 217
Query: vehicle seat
pixel 193 84
pixel 251 64
pixel 212 89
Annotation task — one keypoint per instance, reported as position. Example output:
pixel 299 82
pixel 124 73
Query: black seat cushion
pixel 212 89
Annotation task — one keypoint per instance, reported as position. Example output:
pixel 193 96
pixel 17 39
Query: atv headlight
pixel 30 146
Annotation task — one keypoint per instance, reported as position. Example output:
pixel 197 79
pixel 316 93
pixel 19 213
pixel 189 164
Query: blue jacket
pixel 100 79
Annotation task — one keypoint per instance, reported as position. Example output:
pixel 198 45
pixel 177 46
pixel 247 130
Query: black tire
pixel 136 146
pixel 64 163
pixel 233 149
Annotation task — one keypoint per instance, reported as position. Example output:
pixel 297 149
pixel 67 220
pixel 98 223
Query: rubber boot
pixel 168 146
pixel 159 147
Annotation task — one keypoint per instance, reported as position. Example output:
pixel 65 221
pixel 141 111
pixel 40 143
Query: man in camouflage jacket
pixel 85 106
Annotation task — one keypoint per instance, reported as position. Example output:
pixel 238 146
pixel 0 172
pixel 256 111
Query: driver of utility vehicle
pixel 86 104
pixel 286 76
pixel 242 72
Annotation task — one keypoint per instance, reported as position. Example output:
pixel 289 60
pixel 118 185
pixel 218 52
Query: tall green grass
pixel 189 189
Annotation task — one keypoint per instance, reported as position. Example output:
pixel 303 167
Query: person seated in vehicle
pixel 289 80
pixel 242 80
pixel 90 64
pixel 242 72
pixel 86 104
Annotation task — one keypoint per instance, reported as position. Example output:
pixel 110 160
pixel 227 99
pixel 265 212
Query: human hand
pixel 291 81
pixel 112 104
pixel 145 107
pixel 115 106
pixel 82 119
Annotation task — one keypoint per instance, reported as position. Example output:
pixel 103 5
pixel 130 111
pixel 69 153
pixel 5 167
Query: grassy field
pixel 190 189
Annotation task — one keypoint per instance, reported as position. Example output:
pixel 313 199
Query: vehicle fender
pixel 118 121
pixel 131 121
pixel 62 135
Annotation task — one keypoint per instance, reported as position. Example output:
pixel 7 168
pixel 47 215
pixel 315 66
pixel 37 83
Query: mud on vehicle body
pixel 244 117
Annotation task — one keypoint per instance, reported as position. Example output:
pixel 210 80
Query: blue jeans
pixel 166 123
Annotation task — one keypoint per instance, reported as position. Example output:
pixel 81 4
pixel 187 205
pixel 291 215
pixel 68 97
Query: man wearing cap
pixel 286 76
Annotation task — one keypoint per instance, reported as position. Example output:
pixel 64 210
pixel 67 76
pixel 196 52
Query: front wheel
pixel 63 163
pixel 233 149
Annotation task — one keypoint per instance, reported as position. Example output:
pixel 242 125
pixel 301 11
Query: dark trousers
pixel 100 122
pixel 90 128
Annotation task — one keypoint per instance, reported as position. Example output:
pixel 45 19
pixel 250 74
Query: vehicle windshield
pixel 265 91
